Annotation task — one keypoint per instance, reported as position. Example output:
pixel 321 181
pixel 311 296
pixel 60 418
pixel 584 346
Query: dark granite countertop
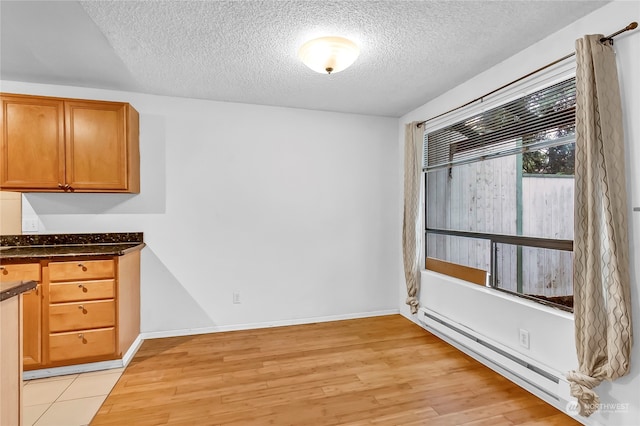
pixel 51 246
pixel 10 289
pixel 50 252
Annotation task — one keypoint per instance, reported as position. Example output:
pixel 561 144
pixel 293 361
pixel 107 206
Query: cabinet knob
pixel 80 336
pixel 81 307
pixel 80 265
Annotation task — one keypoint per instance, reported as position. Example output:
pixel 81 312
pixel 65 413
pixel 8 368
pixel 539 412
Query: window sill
pixel 524 300
pixel 536 300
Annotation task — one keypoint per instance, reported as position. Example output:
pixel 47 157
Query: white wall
pixel 293 209
pixel 606 20
pixel 548 327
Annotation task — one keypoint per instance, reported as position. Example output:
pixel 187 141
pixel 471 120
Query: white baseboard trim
pixel 72 369
pixel 85 368
pixel 251 326
pixel 128 356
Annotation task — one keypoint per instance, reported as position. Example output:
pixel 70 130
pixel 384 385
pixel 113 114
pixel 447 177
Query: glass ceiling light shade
pixel 328 54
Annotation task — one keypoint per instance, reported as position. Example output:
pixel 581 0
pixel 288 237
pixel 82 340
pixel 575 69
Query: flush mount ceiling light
pixel 328 54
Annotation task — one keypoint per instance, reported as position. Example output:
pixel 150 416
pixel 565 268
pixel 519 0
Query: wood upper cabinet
pixel 71 145
pixel 32 153
pixel 97 146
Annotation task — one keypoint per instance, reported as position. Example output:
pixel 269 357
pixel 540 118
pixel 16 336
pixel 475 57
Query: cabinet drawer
pixel 81 290
pixel 81 315
pixel 81 270
pixel 82 344
pixel 20 272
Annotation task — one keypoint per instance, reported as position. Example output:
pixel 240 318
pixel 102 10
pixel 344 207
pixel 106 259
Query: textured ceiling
pixel 246 51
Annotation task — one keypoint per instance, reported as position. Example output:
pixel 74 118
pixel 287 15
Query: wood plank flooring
pixel 373 371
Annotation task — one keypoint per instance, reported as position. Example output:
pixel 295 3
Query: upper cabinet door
pixel 96 145
pixel 59 144
pixel 32 150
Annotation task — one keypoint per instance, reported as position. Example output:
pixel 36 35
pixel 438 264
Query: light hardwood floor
pixel 373 371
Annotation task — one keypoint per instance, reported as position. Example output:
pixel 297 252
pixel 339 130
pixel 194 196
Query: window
pixel 499 193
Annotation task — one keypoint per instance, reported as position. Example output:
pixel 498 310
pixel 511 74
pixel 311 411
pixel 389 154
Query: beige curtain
pixel 601 282
pixel 410 250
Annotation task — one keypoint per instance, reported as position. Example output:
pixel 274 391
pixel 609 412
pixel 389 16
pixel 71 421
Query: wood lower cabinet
pixel 82 315
pixel 87 344
pixel 83 309
pixel 10 365
pixel 75 291
pixel 81 270
pixel 78 145
pixel 31 309
pixel 32 326
pixel 20 272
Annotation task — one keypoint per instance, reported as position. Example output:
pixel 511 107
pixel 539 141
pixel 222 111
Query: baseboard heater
pixel 547 385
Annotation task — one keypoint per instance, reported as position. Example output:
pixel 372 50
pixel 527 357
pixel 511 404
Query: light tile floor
pixel 70 400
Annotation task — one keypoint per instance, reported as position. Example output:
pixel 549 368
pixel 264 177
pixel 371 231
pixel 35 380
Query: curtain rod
pixel 629 27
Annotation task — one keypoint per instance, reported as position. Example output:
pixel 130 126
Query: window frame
pixel 561 72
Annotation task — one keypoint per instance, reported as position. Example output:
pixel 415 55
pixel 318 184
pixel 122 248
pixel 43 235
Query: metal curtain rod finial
pixel 631 26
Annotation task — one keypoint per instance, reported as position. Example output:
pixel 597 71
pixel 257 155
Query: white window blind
pixel 541 119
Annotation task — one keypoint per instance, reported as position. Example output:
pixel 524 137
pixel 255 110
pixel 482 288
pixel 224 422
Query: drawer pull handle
pixel 81 307
pixel 80 265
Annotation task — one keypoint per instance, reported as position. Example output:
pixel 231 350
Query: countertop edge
pixel 59 252
pixel 132 249
pixel 16 288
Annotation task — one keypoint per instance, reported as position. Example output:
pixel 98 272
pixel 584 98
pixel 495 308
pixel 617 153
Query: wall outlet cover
pixel 523 338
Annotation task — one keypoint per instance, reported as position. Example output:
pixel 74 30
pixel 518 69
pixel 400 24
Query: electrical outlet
pixel 524 338
pixel 236 297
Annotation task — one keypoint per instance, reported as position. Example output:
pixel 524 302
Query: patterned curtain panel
pixel 601 249
pixel 410 251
